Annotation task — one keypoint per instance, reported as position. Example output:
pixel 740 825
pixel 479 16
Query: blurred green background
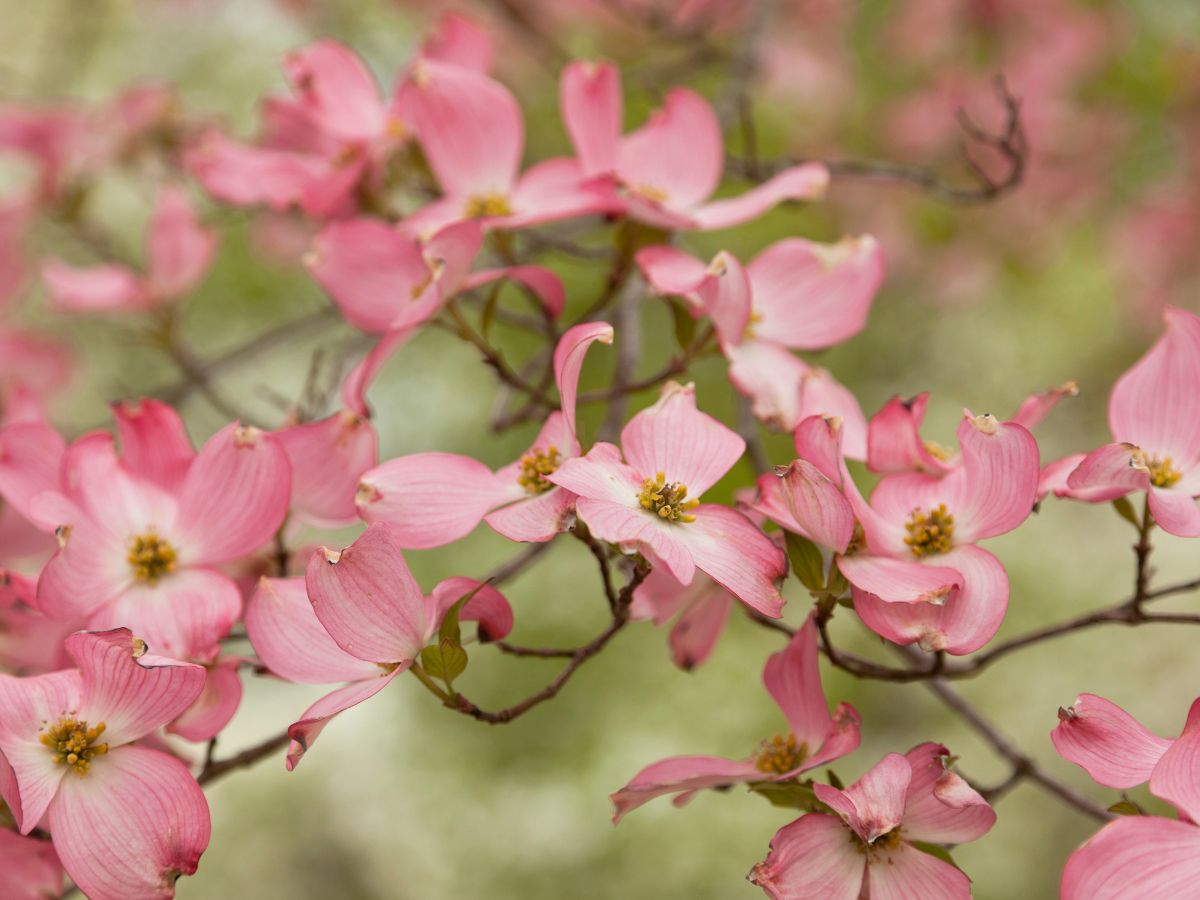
pixel 401 799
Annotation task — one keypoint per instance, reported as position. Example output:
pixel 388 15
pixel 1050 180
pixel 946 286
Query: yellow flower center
pixel 486 206
pixel 668 501
pixel 937 451
pixel 930 533
pixel 1163 473
pixel 535 466
pixel 150 557
pixel 650 192
pixel 74 744
pixel 889 841
pixel 756 318
pixel 781 755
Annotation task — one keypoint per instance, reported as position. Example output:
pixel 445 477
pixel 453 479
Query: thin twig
pixel 217 768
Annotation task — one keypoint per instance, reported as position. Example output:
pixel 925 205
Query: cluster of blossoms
pixel 134 562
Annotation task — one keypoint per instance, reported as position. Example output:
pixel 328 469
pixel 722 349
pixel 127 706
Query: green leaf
pixel 446 661
pixel 834 780
pixel 836 583
pixel 1125 808
pixel 449 629
pixel 806 561
pixel 685 324
pixel 788 794
pixel 1125 510
pixel 936 850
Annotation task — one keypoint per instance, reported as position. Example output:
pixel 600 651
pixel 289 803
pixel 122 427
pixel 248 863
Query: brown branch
pixel 215 769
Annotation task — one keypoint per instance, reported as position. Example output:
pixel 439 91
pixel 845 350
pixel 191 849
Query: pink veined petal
pixel 370 270
pixel 677 153
pixel 1175 512
pixel 28 704
pixel 542 282
pixel 129 828
pixel 900 580
pixel 534 519
pixel 793 678
pixel 235 495
pixel 247 176
pixel 291 641
pixel 29 868
pixel 874 804
pixel 591 106
pixel 1135 856
pixel 941 807
pixel 1053 479
pixel 737 555
pixel 844 736
pixel 660 596
pixel 823 395
pixel 1156 404
pixel 115 501
pixel 623 523
pixel 131 691
pixel 103 288
pixel 680 774
pixel 469 126
pixel 699 626
pixel 30 455
pixel 807 182
pixel 894 438
pixel 569 355
pixel 179 249
pixel 305 732
pixel 905 873
pixel 724 295
pixel 328 458
pixel 675 438
pixel 811 858
pixel 555 189
pixel 429 499
pixel 354 388
pixel 87 572
pixel 818 439
pixel 1001 470
pixel 1107 742
pixel 769 503
pixel 811 296
pixel 964 623
pixel 488 607
pixel 600 475
pixel 154 442
pixel 184 615
pixel 1108 472
pixel 216 705
pixel 671 271
pixel 1175 778
pixel 818 505
pixel 366 597
pixel 336 90
pixel 458 40
pixel 453 248
pixel 1036 407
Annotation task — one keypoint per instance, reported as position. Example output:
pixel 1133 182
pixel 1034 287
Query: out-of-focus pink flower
pixel 666 171
pixel 29 868
pixel 179 251
pixel 141 535
pixel 673 453
pixel 920 577
pixel 703 607
pixel 30 643
pixel 367 622
pixel 795 295
pixel 1145 856
pixel 126 820
pixel 1154 414
pixel 866 848
pixel 431 499
pixel 328 458
pixel 32 369
pixel 814 737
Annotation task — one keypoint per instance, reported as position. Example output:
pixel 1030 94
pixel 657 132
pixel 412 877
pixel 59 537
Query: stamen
pixel 756 318
pixel 74 743
pixel 486 206
pixel 781 755
pixel 650 192
pixel 885 842
pixel 930 533
pixel 937 451
pixel 1163 473
pixel 535 466
pixel 668 501
pixel 151 557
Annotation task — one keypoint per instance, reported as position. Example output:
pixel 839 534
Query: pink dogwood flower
pixel 141 534
pixel 432 499
pixel 29 868
pixel 866 847
pixel 1143 856
pixel 793 679
pixel 358 616
pixel 921 576
pixel 179 251
pixel 30 643
pixel 666 171
pixel 126 820
pixel 673 453
pixel 328 457
pixel 795 295
pixel 1154 416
